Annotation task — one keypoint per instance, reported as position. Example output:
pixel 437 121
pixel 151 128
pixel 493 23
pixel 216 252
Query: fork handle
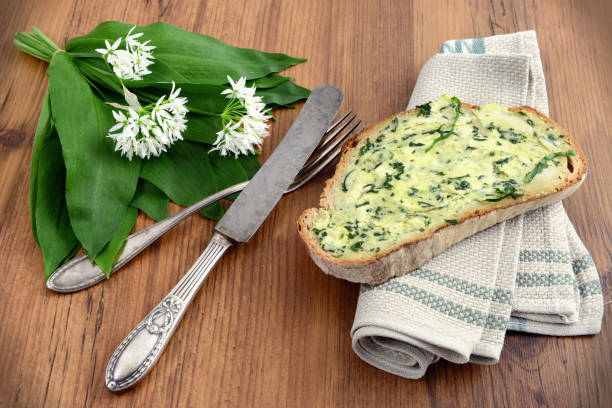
pixel 80 273
pixel 139 351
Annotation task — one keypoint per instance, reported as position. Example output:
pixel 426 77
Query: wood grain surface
pixel 268 328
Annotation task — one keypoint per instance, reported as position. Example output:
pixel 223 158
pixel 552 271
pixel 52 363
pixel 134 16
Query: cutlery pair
pixel 139 351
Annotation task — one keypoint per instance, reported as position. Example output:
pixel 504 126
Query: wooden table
pixel 268 328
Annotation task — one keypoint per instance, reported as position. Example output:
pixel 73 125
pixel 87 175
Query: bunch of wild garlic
pixel 136 116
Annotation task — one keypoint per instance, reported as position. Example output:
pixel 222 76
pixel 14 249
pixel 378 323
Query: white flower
pixel 239 89
pixel 109 53
pixel 148 131
pixel 132 62
pixel 244 120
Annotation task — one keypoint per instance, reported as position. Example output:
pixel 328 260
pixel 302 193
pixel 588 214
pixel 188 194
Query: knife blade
pixel 140 350
pixel 262 193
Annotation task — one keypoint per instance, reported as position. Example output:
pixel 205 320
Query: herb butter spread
pixel 432 167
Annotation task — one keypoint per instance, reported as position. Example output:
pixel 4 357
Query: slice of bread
pixel 412 185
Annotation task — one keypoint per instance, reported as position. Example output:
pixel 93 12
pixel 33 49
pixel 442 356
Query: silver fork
pixel 80 273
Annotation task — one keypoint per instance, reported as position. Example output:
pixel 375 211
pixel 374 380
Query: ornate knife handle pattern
pixel 165 311
pixel 139 351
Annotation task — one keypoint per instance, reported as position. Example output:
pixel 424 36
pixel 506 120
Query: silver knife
pixel 139 351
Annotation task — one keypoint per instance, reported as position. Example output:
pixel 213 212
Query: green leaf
pixel 227 171
pixel 44 130
pixel 184 174
pixel 206 99
pixel 100 184
pixel 206 102
pixel 106 259
pixel 269 81
pixel 284 94
pixel 250 164
pixel 202 129
pixel 97 71
pixel 53 231
pixel 151 200
pixel 184 56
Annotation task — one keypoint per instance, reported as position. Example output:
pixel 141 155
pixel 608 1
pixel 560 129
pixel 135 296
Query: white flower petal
pixel 116 127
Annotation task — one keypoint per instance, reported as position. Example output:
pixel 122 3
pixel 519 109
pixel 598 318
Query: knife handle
pixel 81 273
pixel 139 351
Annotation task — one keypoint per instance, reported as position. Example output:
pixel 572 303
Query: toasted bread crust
pixel 406 256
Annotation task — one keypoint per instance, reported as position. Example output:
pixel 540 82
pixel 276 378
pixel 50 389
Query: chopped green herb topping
pixel 446 134
pixel 366 147
pixel 399 169
pixel 344 188
pixel 543 163
pixel 424 109
pixel 394 124
pixel 505 189
pixel 356 246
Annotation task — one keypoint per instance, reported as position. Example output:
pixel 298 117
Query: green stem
pixel 43 38
pixel 36 44
pixel 151 98
pixel 84 54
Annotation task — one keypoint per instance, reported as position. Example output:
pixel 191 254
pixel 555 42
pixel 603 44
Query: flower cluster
pixel 132 62
pixel 244 120
pixel 148 130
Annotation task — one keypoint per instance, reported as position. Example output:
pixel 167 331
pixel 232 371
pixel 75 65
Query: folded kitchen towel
pixel 531 273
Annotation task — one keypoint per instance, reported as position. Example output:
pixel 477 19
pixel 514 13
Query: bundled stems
pixel 36 44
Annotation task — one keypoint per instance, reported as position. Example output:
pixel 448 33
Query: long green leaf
pixel 183 56
pixel 97 71
pixel 184 174
pixel 100 183
pixel 207 99
pixel 151 200
pixel 55 236
pixel 269 81
pixel 284 94
pixel 227 171
pixel 106 259
pixel 250 164
pixel 43 131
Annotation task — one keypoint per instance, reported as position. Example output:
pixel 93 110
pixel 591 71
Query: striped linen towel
pixel 531 273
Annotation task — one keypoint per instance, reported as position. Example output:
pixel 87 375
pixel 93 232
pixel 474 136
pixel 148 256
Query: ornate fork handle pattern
pixel 80 273
pixel 139 351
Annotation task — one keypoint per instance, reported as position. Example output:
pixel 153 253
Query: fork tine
pixel 318 155
pixel 304 176
pixel 330 159
pixel 338 121
pixel 330 136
